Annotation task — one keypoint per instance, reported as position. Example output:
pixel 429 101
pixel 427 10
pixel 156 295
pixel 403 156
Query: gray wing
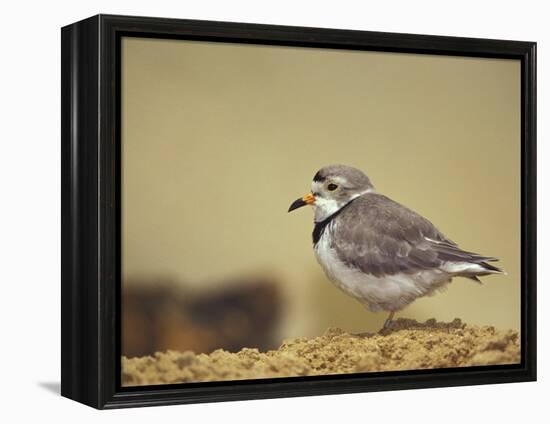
pixel 381 237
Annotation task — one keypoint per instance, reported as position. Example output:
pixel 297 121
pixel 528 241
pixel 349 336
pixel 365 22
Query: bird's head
pixel 332 188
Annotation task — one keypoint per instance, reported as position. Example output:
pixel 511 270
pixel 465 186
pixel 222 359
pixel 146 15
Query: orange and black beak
pixel 308 199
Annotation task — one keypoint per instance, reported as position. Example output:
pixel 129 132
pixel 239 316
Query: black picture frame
pixel 90 181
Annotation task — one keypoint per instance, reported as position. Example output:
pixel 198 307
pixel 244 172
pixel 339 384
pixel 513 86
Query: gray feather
pixel 381 237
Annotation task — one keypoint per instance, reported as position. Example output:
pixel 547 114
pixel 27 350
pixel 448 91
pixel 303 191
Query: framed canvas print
pixel 407 163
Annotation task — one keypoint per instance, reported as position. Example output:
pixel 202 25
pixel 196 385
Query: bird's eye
pixel 332 187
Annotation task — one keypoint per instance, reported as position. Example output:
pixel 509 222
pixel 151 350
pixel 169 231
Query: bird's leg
pixel 388 321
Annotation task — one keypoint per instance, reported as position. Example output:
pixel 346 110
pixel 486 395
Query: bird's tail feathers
pixel 463 263
pixel 491 268
pixel 480 269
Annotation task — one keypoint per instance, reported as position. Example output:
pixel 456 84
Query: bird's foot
pixel 388 324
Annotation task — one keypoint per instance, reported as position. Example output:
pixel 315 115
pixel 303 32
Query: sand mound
pixel 407 345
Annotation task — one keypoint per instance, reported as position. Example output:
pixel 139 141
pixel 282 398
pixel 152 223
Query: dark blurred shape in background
pixel 163 314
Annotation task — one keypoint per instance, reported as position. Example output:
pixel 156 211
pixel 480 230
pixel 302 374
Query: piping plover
pixel 378 251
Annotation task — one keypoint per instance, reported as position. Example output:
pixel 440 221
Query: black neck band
pixel 320 226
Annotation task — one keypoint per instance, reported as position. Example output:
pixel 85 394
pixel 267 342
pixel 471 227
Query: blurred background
pixel 219 139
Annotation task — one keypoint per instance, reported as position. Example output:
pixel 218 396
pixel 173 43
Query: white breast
pixel 389 293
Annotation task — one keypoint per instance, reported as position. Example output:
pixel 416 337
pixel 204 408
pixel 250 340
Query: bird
pixel 378 251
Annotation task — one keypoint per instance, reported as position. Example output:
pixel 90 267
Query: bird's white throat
pixel 323 208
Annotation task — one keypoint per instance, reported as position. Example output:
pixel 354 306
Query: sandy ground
pixel 407 345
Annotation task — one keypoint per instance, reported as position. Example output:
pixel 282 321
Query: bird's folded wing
pixel 381 237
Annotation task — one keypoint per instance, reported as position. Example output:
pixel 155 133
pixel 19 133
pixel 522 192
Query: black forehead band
pixel 319 178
